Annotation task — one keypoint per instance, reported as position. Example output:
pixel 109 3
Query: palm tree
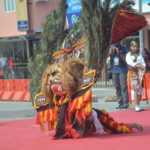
pixel 96 24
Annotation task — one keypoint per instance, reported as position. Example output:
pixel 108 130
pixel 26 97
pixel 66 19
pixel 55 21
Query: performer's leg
pixel 124 89
pixel 112 126
pixel 137 99
pixel 116 80
pixel 138 91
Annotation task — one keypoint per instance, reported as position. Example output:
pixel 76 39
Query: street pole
pixel 141 39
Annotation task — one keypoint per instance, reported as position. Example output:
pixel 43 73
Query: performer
pixel 136 69
pixel 65 103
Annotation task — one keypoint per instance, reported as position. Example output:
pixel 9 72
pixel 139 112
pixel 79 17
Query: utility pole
pixel 141 39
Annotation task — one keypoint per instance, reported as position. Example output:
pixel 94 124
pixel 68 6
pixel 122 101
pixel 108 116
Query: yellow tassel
pixel 119 128
pixel 45 115
pixel 80 101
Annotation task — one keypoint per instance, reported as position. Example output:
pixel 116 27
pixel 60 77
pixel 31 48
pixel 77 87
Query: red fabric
pixel 1 72
pixel 11 64
pixel 68 50
pixel 25 135
pixel 125 23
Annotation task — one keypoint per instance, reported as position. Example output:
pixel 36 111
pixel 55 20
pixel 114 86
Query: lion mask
pixel 61 78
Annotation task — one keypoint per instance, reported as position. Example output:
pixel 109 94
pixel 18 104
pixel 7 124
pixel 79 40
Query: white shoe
pixel 137 109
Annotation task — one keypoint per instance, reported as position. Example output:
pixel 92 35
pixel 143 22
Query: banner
pixel 22 15
pixel 73 11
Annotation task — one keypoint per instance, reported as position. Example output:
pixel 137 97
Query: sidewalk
pixel 110 106
pixel 10 110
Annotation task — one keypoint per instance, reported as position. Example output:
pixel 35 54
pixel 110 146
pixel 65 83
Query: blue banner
pixel 72 18
pixel 23 25
pixel 73 11
pixel 73 6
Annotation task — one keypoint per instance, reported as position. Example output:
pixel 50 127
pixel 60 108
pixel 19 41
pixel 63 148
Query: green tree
pixel 51 40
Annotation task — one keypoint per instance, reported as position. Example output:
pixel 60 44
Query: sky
pixel 145 6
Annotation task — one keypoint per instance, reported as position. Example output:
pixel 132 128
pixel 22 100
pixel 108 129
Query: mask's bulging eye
pixel 54 73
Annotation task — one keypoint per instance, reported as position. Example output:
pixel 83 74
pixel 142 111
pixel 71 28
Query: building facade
pixel 20 27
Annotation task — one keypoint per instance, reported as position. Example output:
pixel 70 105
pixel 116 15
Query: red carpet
pixel 25 135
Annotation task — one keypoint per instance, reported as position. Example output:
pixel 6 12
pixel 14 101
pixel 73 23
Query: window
pixel 15 49
pixel 9 5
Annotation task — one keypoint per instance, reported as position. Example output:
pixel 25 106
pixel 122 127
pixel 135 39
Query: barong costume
pixel 73 117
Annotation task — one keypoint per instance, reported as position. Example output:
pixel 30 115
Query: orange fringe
pixel 50 116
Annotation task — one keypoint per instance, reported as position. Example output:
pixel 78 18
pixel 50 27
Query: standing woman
pixel 136 67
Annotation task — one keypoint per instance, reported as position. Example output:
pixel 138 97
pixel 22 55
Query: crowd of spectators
pixel 6 67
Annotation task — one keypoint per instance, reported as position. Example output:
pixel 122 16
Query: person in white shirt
pixel 136 67
pixel 3 61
